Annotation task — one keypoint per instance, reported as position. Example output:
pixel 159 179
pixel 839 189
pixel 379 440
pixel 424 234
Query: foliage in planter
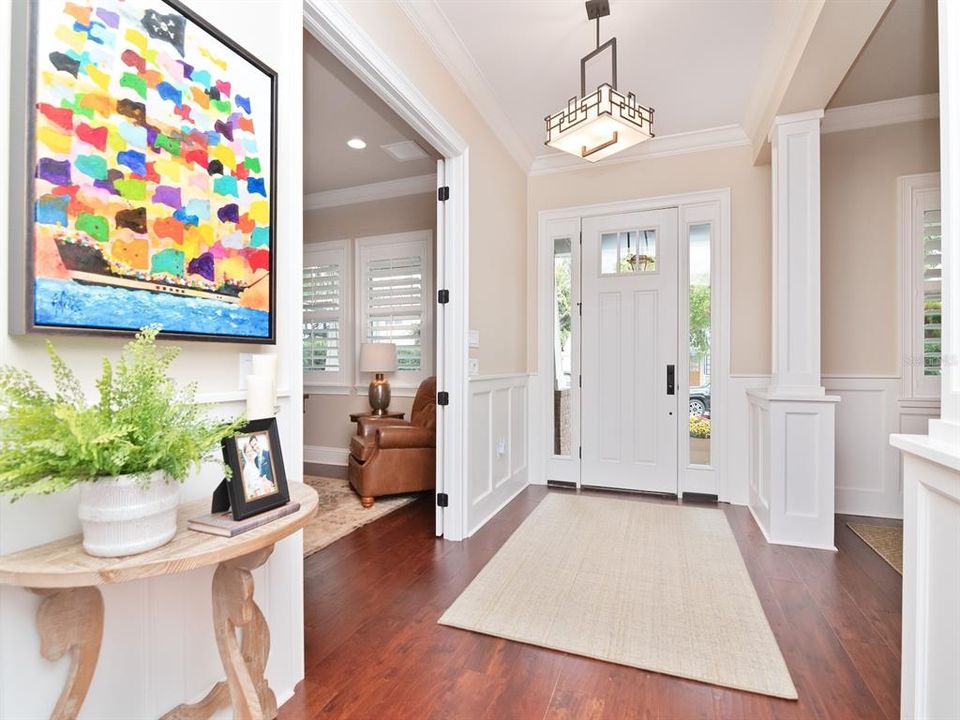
pixel 699 426
pixel 143 422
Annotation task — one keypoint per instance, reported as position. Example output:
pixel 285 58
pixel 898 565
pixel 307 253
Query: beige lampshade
pixel 378 357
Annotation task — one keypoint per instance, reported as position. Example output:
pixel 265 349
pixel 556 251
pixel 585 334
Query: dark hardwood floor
pixel 374 649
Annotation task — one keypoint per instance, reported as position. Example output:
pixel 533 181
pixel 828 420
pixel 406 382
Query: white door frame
pixel 333 26
pixel 694 208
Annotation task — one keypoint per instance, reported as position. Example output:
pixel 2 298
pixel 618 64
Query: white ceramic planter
pixel 125 515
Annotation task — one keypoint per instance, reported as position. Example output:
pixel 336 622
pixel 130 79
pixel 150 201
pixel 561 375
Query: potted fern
pixel 129 452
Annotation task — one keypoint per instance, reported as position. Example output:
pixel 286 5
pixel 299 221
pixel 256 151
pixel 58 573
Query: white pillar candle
pixel 260 401
pixel 266 366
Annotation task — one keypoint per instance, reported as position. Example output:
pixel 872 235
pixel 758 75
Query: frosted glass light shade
pixel 599 125
pixel 378 357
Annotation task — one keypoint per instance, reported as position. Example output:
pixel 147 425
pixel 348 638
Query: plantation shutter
pixel 395 273
pixel 325 307
pixel 395 307
pixel 321 318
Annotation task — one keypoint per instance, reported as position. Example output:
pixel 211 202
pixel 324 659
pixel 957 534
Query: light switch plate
pixel 474 366
pixel 474 338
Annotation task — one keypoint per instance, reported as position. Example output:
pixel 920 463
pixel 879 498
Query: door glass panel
pixel 628 251
pixel 932 292
pixel 699 240
pixel 562 298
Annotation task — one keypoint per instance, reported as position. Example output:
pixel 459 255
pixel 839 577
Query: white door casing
pixel 629 338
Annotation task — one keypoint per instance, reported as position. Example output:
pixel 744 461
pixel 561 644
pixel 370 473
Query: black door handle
pixel 671 383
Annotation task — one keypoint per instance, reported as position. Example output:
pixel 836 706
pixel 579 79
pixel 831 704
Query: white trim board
pixel 322 455
pixel 436 30
pixel 884 112
pixel 402 187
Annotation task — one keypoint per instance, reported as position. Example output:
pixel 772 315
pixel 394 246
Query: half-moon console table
pixel 70 618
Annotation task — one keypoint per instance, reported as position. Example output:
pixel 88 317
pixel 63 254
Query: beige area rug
pixel 657 587
pixel 885 540
pixel 340 512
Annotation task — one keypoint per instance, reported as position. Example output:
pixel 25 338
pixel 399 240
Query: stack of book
pixel 223 523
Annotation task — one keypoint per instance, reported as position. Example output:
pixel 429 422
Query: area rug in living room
pixel 653 586
pixel 885 540
pixel 340 512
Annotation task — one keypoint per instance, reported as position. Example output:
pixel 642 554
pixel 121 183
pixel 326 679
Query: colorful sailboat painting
pixel 151 146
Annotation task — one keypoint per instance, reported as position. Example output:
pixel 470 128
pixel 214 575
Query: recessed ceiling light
pixel 357 143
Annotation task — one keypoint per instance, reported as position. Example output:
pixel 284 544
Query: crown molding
pixel 660 146
pixel 366 193
pixel 447 45
pixel 885 112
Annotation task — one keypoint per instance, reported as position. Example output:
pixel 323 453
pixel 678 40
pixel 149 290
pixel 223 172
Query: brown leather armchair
pixel 390 456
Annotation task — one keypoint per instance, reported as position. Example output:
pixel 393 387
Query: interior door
pixel 629 351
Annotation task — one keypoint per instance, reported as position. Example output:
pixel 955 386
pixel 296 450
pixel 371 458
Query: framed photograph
pixel 149 162
pixel 257 479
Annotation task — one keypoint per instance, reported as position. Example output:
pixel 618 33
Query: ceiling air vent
pixel 405 151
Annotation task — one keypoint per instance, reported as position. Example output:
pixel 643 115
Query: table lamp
pixel 378 358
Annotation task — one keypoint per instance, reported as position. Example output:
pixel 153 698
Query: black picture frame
pixel 249 495
pixel 23 128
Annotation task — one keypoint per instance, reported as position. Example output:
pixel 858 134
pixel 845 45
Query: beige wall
pixel 750 241
pixel 497 192
pixel 379 217
pixel 859 241
pixel 326 419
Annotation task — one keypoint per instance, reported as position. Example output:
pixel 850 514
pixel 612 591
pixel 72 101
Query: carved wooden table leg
pixel 71 620
pixel 244 661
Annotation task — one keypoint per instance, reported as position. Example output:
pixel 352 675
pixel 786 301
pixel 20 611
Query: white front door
pixel 629 351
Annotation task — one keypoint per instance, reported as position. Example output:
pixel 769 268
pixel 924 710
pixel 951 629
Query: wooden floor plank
pixel 374 648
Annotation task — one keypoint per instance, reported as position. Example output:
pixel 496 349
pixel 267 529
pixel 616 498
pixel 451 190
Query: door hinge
pixel 580 380
pixel 580 453
pixel 443 398
pixel 442 500
pixel 443 193
pixel 443 296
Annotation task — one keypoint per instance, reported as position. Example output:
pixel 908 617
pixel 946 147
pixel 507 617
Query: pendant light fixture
pixel 604 122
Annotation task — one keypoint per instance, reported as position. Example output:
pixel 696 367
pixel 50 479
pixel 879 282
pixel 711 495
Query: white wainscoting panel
pixel 868 469
pixel 498 451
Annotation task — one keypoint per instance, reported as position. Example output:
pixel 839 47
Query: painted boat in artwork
pixel 86 263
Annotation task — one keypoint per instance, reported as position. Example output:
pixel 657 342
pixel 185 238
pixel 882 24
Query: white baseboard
pixel 321 455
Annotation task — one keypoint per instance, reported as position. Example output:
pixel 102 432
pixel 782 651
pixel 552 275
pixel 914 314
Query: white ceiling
pixel 695 62
pixel 337 107
pixel 900 59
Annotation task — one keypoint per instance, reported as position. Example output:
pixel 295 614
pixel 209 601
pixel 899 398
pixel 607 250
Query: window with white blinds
pixel 395 291
pixel 325 319
pixel 921 283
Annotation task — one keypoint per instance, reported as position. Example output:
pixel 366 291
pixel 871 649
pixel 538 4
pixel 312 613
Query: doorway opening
pixel 382 262
pixel 634 323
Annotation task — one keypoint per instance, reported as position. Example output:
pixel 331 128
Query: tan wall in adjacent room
pixel 859 299
pixel 326 420
pixel 378 217
pixel 498 190
pixel 750 236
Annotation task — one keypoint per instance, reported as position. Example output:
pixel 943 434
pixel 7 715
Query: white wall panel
pixel 498 445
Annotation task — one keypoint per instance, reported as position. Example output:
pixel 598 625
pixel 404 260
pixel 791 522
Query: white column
pixel 795 174
pixel 792 422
